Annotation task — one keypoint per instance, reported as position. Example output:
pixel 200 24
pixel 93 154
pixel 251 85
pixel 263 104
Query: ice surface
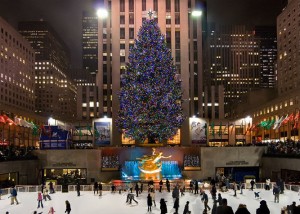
pixel 115 203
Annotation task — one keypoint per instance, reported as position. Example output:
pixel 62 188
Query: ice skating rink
pixel 115 203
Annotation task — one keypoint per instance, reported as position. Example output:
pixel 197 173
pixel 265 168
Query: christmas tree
pixel 150 95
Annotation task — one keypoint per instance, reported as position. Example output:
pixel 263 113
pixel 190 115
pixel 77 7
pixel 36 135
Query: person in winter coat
pixel 100 188
pixel 78 189
pixel 13 195
pixel 175 193
pixel 46 195
pixel 268 182
pixel 96 187
pixel 51 211
pixel 242 209
pixel 219 200
pixel 40 200
pixel 68 207
pixel 168 185
pixel 186 208
pixel 163 206
pixel 234 188
pixel 149 202
pixel 176 205
pixel 152 193
pixel 137 190
pixel 160 185
pixel 205 201
pixel 263 208
pixel 224 208
pixel 276 192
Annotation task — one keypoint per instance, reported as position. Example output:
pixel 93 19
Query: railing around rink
pixel 107 187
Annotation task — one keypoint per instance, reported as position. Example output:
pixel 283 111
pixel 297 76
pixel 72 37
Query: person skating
pixel 46 195
pixel 268 182
pixel 252 182
pixel 234 188
pixel 219 200
pixel 96 187
pixel 13 196
pixel 130 198
pixel 196 187
pixel 160 185
pixel 168 185
pixel 149 202
pixel 100 188
pixel 78 189
pixel 214 192
pixel 51 187
pixel 152 193
pixel 40 200
pixel 163 206
pixel 176 205
pixel 68 207
pixel 51 211
pixel 186 208
pixel 205 201
pixel 137 189
pixel 175 193
pixel 276 192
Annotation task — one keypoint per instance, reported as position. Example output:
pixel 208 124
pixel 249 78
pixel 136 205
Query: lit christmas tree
pixel 150 96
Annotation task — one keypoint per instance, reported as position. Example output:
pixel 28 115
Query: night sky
pixel 65 15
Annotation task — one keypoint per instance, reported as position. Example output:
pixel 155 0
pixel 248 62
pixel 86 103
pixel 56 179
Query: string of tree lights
pixel 150 95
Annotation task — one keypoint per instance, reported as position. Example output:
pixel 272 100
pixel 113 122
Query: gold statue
pixel 151 163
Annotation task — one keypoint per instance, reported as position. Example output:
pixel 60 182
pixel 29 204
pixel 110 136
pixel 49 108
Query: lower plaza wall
pixel 211 159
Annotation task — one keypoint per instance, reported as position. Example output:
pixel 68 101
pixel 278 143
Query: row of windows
pixel 276 107
pixel 16 44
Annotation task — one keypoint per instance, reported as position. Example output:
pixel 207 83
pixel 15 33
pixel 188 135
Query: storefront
pixel 65 175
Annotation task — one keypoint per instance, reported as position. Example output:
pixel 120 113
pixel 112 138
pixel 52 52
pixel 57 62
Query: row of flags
pixel 266 124
pixel 19 122
pixel 293 119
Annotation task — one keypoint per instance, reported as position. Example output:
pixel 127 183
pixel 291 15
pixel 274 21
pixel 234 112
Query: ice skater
pixel 130 198
pixel 46 195
pixel 51 211
pixel 40 200
pixel 149 202
pixel 68 207
pixel 13 196
pixel 256 195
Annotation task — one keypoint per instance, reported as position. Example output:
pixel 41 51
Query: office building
pixel 55 91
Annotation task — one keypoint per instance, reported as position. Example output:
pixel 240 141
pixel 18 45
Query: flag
pixel 248 128
pixel 270 124
pixel 287 118
pixel 2 120
pixel 8 120
pixel 278 122
pixel 296 119
pixel 220 130
pixel 212 127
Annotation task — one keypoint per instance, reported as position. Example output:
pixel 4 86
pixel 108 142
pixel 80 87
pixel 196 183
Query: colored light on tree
pixel 150 95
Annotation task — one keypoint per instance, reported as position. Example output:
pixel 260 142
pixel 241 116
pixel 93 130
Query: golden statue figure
pixel 151 163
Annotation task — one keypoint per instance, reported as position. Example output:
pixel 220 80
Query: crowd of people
pixel 135 189
pixel 11 153
pixel 286 148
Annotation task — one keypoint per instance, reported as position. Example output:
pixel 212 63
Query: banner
pixel 103 130
pixel 198 130
pixel 53 138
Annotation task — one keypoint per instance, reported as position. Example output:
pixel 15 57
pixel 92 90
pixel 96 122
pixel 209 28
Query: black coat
pixel 149 200
pixel 163 207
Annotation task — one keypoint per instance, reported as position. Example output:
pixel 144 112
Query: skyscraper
pixel 183 36
pixel 55 92
pixel 17 91
pixel 90 42
pixel 233 61
pixel 267 54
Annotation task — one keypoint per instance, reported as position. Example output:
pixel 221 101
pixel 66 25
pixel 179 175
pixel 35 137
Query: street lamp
pixel 102 13
pixel 196 13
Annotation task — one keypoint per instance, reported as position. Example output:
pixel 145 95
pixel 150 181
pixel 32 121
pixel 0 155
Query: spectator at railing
pixel 16 153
